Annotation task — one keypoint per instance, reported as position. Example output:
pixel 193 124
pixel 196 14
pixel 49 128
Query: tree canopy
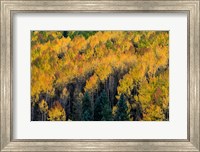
pixel 91 75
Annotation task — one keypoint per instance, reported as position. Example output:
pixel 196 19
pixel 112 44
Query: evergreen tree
pixel 76 110
pixel 106 109
pixel 77 106
pixel 86 108
pixel 107 113
pixel 98 110
pixel 121 113
pixel 102 109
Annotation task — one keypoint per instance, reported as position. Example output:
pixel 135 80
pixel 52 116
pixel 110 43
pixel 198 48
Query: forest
pixel 99 76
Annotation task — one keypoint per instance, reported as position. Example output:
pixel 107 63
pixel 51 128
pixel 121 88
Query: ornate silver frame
pixel 10 7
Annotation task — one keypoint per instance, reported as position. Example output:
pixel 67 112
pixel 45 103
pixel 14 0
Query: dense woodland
pixel 100 76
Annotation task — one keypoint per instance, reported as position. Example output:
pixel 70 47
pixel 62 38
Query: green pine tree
pixel 121 113
pixel 106 109
pixel 102 109
pixel 77 107
pixel 98 110
pixel 76 111
pixel 107 113
pixel 86 108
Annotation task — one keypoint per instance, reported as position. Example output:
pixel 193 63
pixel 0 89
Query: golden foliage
pixel 154 97
pixel 57 112
pixel 92 83
pixel 141 58
pixel 43 106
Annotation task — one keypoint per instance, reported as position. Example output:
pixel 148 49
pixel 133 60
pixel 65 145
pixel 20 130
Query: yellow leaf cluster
pixel 56 113
pixel 43 106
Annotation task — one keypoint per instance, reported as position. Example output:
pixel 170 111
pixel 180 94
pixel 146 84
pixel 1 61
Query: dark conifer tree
pixel 121 113
pixel 98 110
pixel 107 113
pixel 106 109
pixel 86 108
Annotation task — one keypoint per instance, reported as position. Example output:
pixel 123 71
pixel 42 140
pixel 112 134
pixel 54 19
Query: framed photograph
pixel 100 75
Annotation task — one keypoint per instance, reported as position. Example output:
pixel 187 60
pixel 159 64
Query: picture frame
pixel 9 8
